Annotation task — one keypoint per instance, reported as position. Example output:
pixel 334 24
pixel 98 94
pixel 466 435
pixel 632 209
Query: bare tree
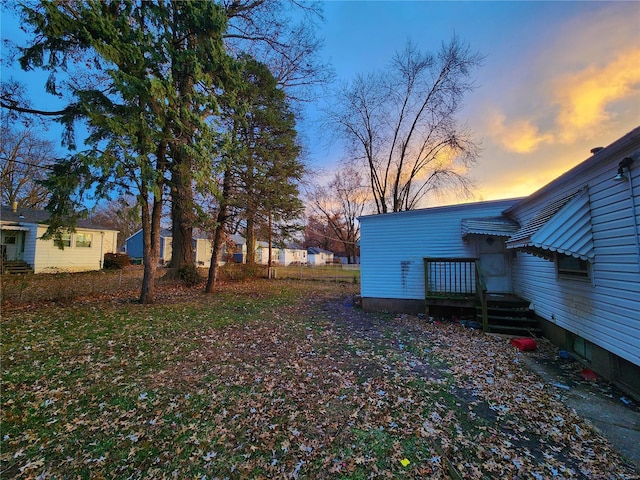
pixel 122 214
pixel 280 34
pixel 340 203
pixel 25 160
pixel 401 125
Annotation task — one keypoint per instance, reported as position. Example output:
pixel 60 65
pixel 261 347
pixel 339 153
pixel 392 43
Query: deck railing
pixel 481 291
pixel 450 277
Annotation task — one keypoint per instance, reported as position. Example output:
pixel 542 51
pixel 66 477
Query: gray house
pixel 568 254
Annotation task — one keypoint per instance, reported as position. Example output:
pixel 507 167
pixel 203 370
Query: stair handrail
pixel 481 293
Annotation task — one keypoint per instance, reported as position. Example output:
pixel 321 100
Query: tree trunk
pixel 182 213
pixel 250 239
pixel 150 245
pixel 221 223
pixel 270 272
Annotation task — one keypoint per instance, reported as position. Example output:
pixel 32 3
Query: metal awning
pixel 5 226
pixel 562 226
pixel 496 226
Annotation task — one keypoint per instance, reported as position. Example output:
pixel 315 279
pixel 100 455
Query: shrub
pixel 189 275
pixel 116 261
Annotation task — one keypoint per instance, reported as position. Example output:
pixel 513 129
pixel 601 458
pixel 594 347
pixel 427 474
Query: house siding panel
pixel 393 246
pixel 50 258
pixel 606 309
pixel 134 245
pixel 30 239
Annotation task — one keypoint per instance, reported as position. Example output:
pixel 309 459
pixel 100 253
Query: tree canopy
pixel 147 79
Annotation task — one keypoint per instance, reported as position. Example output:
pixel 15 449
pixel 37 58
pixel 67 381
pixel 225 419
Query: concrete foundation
pixel 393 305
pixel 624 374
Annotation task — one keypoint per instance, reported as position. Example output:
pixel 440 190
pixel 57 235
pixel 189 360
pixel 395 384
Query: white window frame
pixel 81 240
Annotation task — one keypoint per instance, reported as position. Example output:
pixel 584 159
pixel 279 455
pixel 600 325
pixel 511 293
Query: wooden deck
pixel 458 282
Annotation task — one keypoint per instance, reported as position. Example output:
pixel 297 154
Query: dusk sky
pixel 559 78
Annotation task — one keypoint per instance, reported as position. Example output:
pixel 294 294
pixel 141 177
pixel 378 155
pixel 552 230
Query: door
pixel 12 244
pixel 495 263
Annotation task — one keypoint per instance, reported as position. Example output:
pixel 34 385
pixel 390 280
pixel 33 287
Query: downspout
pixel 101 249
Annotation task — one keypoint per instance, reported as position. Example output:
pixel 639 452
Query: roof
pixel 502 204
pixel 237 239
pixel 33 216
pixel 316 251
pixel 608 153
pixel 496 226
pixel 563 226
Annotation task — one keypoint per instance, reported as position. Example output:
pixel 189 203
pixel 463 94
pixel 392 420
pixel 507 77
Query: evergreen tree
pixel 149 103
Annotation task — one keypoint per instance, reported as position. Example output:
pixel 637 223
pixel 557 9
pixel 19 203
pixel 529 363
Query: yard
pixel 283 379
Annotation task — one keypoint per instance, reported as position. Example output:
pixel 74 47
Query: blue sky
pixel 559 78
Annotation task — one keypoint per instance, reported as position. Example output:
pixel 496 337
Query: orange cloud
pixel 584 96
pixel 518 136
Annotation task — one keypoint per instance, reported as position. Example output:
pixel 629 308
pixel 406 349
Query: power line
pixel 34 165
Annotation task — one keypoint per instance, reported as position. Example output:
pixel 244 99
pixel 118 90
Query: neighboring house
pixel 318 256
pixel 292 254
pixel 202 247
pixel 239 248
pixel 20 241
pixel 571 250
pixel 133 246
pixel 262 253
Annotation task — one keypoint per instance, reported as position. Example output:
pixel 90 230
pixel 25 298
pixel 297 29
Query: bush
pixel 242 271
pixel 116 261
pixel 189 275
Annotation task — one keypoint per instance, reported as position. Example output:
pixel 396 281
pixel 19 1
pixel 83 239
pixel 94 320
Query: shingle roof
pixel 28 215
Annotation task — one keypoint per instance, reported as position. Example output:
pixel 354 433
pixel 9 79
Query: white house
pixel 318 256
pixel 292 254
pixel 571 250
pixel 393 247
pixel 20 241
pixel 262 253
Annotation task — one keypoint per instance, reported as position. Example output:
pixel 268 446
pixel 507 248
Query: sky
pixel 558 78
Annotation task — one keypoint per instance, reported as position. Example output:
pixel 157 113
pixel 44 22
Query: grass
pixel 259 380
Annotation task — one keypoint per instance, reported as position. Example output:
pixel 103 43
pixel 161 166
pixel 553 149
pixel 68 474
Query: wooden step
pixel 508 313
pixel 16 267
pixel 508 318
pixel 514 329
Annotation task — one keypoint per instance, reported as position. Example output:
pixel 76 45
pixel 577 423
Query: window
pixel 10 238
pixel 64 240
pixel 582 348
pixel 571 266
pixel 84 240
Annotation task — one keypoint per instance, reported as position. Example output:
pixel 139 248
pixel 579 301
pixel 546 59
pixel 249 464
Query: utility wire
pixel 34 165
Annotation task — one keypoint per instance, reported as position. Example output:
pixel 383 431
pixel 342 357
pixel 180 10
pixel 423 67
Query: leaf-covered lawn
pixel 275 379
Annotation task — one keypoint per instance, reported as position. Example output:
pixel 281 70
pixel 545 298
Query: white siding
pixel 605 309
pixel 204 250
pixel 50 258
pixel 288 255
pixel 166 249
pixel 392 246
pixel 110 242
